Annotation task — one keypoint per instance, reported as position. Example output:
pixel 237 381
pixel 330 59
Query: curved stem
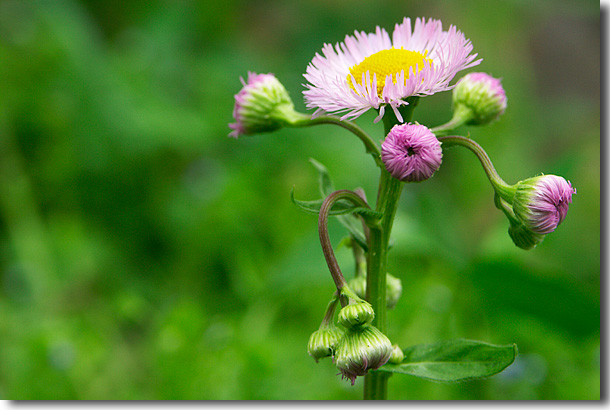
pixel 461 115
pixel 327 248
pixel 370 145
pixel 330 310
pixel 505 191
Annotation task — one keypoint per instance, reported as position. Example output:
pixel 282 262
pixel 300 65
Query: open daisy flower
pixel 375 71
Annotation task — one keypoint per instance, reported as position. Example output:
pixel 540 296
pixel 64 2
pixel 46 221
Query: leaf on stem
pixel 326 184
pixel 454 360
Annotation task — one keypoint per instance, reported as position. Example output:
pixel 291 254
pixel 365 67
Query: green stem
pixel 375 382
pixel 504 190
pixel 461 115
pixel 330 311
pixel 369 144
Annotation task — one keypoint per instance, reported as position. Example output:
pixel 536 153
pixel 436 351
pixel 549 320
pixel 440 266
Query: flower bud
pixel 323 342
pixel 542 202
pixel 411 152
pixel 392 292
pixel 262 105
pixel 355 315
pixel 361 350
pixel 358 285
pixel 397 355
pixel 480 97
pixel 523 237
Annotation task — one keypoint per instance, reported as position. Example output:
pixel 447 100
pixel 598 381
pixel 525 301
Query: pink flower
pixel 411 152
pixel 374 71
pixel 542 202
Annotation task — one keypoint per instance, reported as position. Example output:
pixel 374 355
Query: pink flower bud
pixel 483 97
pixel 411 152
pixel 542 202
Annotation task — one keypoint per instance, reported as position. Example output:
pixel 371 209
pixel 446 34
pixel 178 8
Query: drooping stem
pixel 327 248
pixel 505 191
pixel 375 382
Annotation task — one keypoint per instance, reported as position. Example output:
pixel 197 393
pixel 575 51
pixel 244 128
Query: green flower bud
pixel 361 350
pixel 523 237
pixel 262 105
pixel 358 285
pixel 397 355
pixel 392 292
pixel 479 99
pixel 356 315
pixel 324 342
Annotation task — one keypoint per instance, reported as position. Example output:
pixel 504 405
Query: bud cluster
pixel 356 346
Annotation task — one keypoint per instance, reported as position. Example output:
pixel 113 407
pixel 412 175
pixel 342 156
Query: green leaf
pixel 454 360
pixel 326 184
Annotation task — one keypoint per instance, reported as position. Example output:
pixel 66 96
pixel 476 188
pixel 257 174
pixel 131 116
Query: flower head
pixel 262 105
pixel 480 97
pixel 361 350
pixel 373 70
pixel 542 202
pixel 411 152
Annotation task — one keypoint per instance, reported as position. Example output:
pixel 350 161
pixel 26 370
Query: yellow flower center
pixel 387 62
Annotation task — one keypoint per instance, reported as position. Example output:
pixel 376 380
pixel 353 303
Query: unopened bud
pixel 479 98
pixel 262 105
pixel 411 152
pixel 542 202
pixel 358 285
pixel 397 355
pixel 355 315
pixel 324 342
pixel 362 350
pixel 392 293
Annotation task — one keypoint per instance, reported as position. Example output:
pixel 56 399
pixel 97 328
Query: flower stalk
pixel 327 248
pixel 505 191
pixel 376 383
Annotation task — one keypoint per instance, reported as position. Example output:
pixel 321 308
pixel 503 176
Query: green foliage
pixel 454 360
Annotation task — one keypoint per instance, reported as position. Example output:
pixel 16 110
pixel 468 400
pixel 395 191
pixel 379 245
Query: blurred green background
pixel 145 255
